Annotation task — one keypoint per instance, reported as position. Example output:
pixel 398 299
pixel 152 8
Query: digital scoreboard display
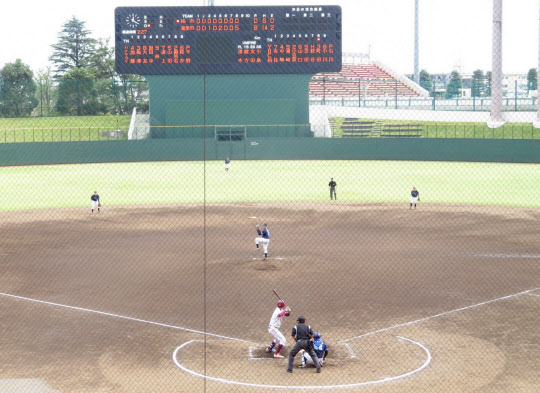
pixel 227 40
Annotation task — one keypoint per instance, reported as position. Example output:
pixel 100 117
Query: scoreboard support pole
pixel 190 106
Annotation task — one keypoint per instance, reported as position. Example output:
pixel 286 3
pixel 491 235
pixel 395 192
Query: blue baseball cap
pixel 265 224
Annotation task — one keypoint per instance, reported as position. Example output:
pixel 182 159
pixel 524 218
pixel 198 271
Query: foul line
pixel 387 379
pixel 438 315
pixel 124 317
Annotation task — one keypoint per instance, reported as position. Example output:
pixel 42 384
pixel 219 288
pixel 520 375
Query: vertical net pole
pixel 416 44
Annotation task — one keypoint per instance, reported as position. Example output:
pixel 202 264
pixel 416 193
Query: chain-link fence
pixel 210 231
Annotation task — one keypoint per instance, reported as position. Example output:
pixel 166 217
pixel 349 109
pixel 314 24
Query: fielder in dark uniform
pixel 302 334
pixel 332 186
pixel 95 202
pixel 415 197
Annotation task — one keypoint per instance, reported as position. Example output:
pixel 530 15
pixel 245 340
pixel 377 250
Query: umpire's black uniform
pixel 302 334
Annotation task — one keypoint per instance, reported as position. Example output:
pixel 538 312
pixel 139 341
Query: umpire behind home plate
pixel 302 334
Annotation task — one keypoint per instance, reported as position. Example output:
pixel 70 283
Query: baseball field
pixel 163 291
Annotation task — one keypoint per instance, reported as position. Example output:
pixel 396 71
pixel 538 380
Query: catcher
pixel 95 202
pixel 415 197
pixel 273 328
pixel 264 239
pixel 320 348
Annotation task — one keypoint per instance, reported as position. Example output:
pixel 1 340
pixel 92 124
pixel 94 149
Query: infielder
pixel 273 328
pixel 320 348
pixel 415 197
pixel 302 334
pixel 227 164
pixel 264 239
pixel 95 202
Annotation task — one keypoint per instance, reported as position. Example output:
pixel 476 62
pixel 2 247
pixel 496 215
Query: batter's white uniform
pixel 275 324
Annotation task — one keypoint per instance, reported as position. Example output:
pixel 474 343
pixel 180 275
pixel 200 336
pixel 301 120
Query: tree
pixel 75 47
pixel 18 89
pixel 425 80
pixel 453 87
pixel 77 94
pixel 45 89
pixel 478 86
pixel 488 84
pixel 532 80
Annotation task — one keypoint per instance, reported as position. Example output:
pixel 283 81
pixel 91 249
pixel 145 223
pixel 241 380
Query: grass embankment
pixel 61 129
pixel 432 129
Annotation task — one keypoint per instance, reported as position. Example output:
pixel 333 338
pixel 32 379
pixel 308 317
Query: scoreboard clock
pixel 227 40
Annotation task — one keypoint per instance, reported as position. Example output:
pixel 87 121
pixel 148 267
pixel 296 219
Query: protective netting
pixel 151 223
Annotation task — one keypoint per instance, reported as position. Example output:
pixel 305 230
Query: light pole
pixel 496 119
pixel 416 44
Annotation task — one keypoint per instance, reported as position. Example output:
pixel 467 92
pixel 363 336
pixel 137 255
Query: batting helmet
pixel 301 319
pixel 317 335
pixel 281 304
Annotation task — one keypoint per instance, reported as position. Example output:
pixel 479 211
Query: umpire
pixel 302 334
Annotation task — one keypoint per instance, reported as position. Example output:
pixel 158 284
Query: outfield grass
pixel 60 129
pixel 433 129
pixel 41 187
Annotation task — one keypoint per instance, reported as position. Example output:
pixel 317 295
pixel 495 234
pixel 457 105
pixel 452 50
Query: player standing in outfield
pixel 95 202
pixel 227 164
pixel 264 239
pixel 273 328
pixel 320 348
pixel 415 197
pixel 332 186
pixel 302 334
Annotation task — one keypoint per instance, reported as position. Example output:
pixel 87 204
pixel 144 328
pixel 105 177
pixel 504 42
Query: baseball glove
pixel 99 205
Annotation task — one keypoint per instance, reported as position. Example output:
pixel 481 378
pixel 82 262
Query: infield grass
pixel 41 187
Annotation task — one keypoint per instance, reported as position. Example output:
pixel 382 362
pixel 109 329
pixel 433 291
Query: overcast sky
pixel 453 33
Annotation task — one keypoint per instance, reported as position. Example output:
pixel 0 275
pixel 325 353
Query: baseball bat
pixel 275 292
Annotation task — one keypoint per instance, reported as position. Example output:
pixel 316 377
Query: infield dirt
pixel 351 269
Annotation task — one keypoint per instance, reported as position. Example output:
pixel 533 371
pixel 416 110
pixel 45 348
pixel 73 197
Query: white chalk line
pixel 534 294
pixel 351 352
pixel 438 315
pixel 124 317
pixel 256 385
pixel 526 256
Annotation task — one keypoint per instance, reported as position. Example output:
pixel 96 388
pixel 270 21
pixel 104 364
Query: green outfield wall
pixel 287 148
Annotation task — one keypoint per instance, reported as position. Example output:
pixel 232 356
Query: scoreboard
pixel 227 40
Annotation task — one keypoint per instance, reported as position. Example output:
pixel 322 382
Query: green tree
pixel 77 94
pixel 45 89
pixel 75 47
pixel 18 90
pixel 425 80
pixel 532 79
pixel 488 84
pixel 454 85
pixel 478 85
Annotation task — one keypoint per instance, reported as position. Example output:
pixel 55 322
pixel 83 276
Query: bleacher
pixel 358 128
pixel 355 128
pixel 359 79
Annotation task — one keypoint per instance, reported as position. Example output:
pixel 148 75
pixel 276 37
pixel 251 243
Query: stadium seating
pixel 358 79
